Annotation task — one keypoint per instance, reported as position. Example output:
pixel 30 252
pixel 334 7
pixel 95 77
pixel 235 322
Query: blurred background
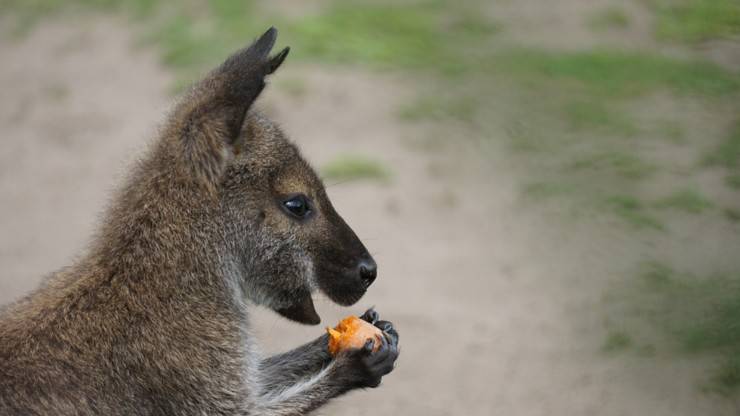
pixel 551 188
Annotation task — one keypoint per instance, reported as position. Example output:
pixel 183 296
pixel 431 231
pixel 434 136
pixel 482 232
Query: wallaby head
pixel 279 234
pixel 287 236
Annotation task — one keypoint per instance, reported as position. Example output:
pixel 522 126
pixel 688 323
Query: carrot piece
pixel 352 333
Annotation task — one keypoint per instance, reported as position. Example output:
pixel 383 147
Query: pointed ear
pixel 208 121
pixel 241 78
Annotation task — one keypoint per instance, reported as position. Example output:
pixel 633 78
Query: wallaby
pixel 223 212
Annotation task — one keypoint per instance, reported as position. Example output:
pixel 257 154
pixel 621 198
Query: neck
pixel 162 229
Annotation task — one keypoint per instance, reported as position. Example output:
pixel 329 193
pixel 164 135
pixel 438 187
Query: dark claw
pixel 368 347
pixel 381 349
pixel 393 335
pixel 389 330
pixel 384 325
pixel 370 316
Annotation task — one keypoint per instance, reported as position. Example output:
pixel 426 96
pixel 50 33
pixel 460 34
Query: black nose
pixel 368 271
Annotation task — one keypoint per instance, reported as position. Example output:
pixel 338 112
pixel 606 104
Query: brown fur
pixel 153 318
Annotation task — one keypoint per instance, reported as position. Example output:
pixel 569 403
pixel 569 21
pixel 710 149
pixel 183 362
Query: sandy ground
pixel 497 306
pixel 569 26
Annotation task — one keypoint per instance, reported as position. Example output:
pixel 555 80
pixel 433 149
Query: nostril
pixel 368 272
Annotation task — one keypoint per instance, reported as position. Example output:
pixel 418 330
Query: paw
pixel 368 367
pixel 370 315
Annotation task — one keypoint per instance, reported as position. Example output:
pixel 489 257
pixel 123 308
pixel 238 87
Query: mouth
pixel 346 298
pixel 343 291
pixel 303 311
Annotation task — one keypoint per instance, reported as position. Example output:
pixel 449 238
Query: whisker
pixel 338 183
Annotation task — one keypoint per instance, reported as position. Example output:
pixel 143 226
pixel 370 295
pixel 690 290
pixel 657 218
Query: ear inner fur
pixel 208 121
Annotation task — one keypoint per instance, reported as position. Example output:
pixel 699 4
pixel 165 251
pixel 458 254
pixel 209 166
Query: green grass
pixel 28 13
pixel 589 95
pixel 686 200
pixel 656 275
pixel 623 165
pixel 696 20
pixel 616 341
pixel 597 116
pixel 689 314
pixel 726 377
pixel 733 180
pixel 733 215
pixel 525 137
pixel 727 154
pixel 703 315
pixel 617 73
pixel 543 190
pixel 609 18
pixel 434 36
pixel 632 211
pixel 457 107
pixel 354 168
pixel 192 36
pixel 671 130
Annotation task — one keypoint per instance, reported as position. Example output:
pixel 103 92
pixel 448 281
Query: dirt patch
pixel 482 289
pixel 78 103
pixel 569 26
pixel 584 24
pixel 495 304
pixel 725 52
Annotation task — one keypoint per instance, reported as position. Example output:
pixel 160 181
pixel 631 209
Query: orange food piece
pixel 352 333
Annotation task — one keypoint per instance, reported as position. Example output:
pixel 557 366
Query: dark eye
pixel 297 206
